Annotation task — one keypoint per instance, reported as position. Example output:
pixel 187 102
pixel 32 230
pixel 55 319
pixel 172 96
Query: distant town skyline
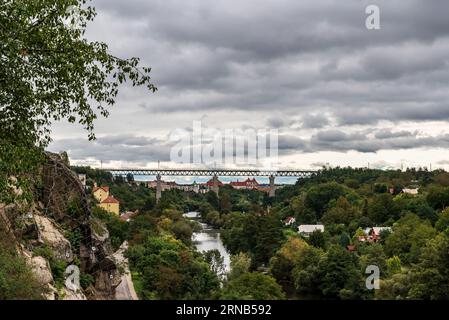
pixel 339 94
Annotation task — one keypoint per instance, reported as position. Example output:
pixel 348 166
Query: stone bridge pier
pixel 158 188
pixel 272 190
pixel 215 187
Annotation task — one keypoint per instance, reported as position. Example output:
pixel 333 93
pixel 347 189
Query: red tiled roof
pixel 128 215
pixel 238 183
pixel 105 188
pixel 248 182
pixel 210 183
pixel 111 200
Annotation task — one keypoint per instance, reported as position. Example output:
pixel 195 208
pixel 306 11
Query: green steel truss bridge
pixel 213 172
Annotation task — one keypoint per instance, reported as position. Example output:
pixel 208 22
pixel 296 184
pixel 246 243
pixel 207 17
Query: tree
pixel 374 255
pixel 212 198
pixel 130 178
pixel 252 286
pixel 318 197
pixel 394 265
pixel 240 264
pixel 225 202
pixel 430 278
pixel 381 208
pixel 306 273
pixel 50 72
pixel 258 235
pixel 339 274
pixel 342 212
pixel 283 262
pixel 409 236
pixel 438 197
pixel 216 262
pixel 317 239
pixel 442 223
pixel 170 270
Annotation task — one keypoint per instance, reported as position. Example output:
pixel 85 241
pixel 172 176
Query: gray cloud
pixel 313 121
pixel 309 66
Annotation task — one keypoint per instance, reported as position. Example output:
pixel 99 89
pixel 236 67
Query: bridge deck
pixel 212 172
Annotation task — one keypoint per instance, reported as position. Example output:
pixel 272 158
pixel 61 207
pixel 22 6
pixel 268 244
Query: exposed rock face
pixel 49 234
pixel 41 269
pixel 62 209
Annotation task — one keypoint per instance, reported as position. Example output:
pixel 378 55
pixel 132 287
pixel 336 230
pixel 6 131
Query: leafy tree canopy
pixel 49 71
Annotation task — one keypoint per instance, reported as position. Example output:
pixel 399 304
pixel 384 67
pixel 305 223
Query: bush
pixel 17 281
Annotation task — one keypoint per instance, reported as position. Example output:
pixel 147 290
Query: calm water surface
pixel 209 239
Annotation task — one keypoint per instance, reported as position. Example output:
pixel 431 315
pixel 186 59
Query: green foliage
pixel 170 270
pixel 342 212
pixel 438 197
pixel 215 261
pixel 317 239
pixel 374 254
pixel 260 236
pixel 17 282
pixel 212 198
pixel 430 278
pixel 284 261
pixel 49 71
pixel 252 286
pixel 443 221
pixel 118 230
pixel 318 197
pixel 339 274
pixel 409 236
pixel 183 231
pixel 380 188
pixel 86 280
pixel 382 208
pixel 306 273
pixel 75 237
pixel 240 264
pixel 57 266
pixel 394 265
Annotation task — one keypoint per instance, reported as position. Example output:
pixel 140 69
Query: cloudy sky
pixel 337 92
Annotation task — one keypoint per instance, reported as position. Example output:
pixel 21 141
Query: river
pixel 209 239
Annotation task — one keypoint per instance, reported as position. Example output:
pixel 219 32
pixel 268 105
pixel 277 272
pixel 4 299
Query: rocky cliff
pixel 56 230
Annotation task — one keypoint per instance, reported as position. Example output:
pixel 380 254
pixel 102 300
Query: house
pixel 376 231
pixel 106 201
pixel 111 205
pixel 365 237
pixel 206 187
pixel 247 184
pixel 101 193
pixel 127 216
pixel 373 234
pixel 307 229
pixel 289 221
pixel 412 191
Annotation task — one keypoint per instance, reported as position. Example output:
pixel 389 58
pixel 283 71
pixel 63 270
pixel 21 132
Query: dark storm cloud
pixel 293 56
pixel 365 141
pixel 116 148
pixel 309 65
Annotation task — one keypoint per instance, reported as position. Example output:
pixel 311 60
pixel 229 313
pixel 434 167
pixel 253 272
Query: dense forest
pixel 270 260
